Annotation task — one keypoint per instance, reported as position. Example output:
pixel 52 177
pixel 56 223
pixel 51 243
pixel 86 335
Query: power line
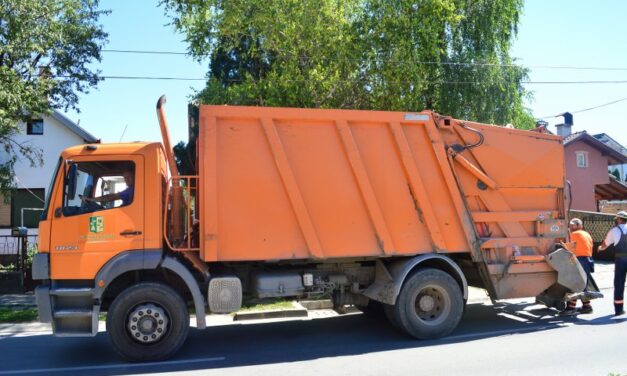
pixel 575 82
pixel 587 109
pixel 165 78
pixel 392 61
pixel 146 78
pixel 145 52
pixel 446 63
pixel 599 106
pixel 576 68
pixel 304 81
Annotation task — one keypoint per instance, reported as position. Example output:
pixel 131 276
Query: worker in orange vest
pixel 583 251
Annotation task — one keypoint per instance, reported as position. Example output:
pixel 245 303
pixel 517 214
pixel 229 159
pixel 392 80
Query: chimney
pixel 541 127
pixel 565 129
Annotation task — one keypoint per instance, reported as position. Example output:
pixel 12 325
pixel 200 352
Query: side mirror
pixel 70 181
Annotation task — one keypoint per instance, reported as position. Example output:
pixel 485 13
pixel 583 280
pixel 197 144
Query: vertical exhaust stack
pixel 165 135
pixel 177 225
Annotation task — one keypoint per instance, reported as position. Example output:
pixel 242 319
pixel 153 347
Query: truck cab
pixel 79 233
pixel 101 232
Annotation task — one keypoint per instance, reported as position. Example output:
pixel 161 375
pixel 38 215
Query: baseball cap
pixel 576 222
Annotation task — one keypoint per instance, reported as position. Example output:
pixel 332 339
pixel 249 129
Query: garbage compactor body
pixel 311 184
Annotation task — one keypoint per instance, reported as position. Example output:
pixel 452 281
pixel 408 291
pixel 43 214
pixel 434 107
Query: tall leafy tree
pixel 46 47
pixel 275 53
pixel 451 56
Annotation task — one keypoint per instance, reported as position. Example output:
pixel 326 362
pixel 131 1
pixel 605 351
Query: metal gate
pixel 597 224
pixel 16 251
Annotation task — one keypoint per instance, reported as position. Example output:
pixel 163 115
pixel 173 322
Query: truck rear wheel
pixel 147 322
pixel 430 304
pixel 390 314
pixel 373 309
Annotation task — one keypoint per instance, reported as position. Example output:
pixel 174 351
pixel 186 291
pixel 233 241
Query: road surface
pixel 517 338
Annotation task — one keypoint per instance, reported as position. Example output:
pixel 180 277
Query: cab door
pixel 91 223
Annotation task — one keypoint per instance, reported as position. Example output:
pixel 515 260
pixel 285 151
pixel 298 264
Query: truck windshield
pixel 92 186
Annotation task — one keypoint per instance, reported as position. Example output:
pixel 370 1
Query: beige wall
pixel 5 213
pixel 613 207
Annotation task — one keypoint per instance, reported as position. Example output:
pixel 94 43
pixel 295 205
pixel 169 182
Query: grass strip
pixel 274 306
pixel 14 315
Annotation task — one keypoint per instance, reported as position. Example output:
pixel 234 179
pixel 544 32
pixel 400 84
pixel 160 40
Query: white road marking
pixel 512 317
pixel 495 333
pixel 111 366
pixel 25 333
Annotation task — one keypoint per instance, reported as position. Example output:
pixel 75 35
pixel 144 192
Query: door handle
pixel 130 232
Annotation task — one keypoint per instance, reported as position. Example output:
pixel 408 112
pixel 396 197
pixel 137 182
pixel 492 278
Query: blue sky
pixel 116 104
pixel 551 33
pixel 583 34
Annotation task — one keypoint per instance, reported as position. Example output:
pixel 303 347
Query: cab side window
pixel 94 186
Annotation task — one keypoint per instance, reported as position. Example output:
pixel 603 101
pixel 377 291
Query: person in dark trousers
pixel 583 251
pixel 617 237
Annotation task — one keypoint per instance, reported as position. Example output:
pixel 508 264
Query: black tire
pixel 144 298
pixel 373 309
pixel 430 304
pixel 390 314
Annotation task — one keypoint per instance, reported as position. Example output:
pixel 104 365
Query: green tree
pixel 451 56
pixel 615 173
pixel 46 47
pixel 183 159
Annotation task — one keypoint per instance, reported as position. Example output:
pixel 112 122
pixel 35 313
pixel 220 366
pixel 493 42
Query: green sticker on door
pixel 96 224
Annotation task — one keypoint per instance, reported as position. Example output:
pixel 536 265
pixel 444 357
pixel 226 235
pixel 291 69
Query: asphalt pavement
pixel 511 337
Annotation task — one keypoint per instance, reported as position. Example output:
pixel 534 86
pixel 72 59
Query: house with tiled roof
pixel 609 141
pixel 587 160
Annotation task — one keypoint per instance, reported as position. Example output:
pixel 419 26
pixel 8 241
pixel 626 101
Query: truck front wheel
pixel 430 304
pixel 147 322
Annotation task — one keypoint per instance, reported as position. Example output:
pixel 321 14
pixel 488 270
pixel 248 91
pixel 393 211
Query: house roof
pixel 614 190
pixel 609 141
pixel 69 124
pixel 613 156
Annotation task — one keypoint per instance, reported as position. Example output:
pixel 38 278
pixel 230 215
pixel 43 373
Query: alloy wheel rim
pixel 147 323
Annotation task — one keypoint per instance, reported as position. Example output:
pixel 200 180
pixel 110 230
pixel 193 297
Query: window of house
pixel 35 127
pixel 582 158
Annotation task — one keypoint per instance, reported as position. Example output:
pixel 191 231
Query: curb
pixel 298 311
pixel 26 327
pixel 316 304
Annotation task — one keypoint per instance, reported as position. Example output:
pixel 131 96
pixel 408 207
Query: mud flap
pixel 571 280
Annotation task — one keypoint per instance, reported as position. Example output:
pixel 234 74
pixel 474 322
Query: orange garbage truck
pixel 399 209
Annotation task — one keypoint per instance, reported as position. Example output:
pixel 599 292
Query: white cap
pixel 576 222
